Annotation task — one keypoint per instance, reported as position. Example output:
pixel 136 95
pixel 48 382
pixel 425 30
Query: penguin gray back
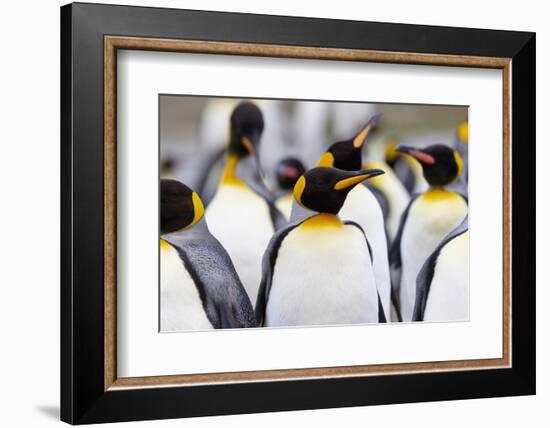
pixel 224 299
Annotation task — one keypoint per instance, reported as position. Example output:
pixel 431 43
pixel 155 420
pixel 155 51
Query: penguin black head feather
pixel 180 207
pixel 324 189
pixel 441 165
pixel 347 154
pixel 288 172
pixel 246 127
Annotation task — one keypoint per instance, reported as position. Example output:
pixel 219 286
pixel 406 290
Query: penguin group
pixel 352 238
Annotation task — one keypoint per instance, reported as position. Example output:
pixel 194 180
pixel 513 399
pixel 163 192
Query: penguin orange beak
pixel 419 155
pixel 361 137
pixel 248 145
pixel 357 178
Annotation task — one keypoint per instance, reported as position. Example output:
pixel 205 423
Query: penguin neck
pixel 229 176
pixel 323 220
pixel 437 193
pixel 164 245
pixel 199 227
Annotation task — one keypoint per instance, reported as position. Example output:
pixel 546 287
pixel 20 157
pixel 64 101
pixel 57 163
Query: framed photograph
pixel 266 213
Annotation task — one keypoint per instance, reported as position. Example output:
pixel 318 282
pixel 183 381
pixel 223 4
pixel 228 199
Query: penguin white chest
pixel 362 207
pixel 322 276
pixel 430 219
pixel 449 295
pixel 241 221
pixel 395 193
pixel 180 303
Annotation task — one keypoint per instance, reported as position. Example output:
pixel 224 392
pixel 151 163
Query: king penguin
pixel 428 218
pixel 199 288
pixel 318 271
pixel 405 168
pixel 242 213
pixel 362 206
pixel 288 171
pixel 442 285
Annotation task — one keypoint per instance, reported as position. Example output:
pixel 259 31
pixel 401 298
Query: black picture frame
pixel 83 396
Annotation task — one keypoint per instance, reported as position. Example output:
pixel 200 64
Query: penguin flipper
pixel 384 205
pixel 380 197
pixel 395 302
pixel 394 256
pixel 277 217
pixel 395 248
pixel 268 263
pixel 381 315
pixel 214 158
pixel 358 226
pixel 404 174
pixel 425 275
pixel 224 298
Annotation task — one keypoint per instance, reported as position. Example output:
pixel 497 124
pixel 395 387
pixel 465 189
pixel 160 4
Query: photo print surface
pixel 285 213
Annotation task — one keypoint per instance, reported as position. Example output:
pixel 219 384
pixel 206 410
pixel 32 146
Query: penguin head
pixel 324 189
pixel 441 165
pixel 246 127
pixel 288 171
pixel 180 207
pixel 462 132
pixel 347 154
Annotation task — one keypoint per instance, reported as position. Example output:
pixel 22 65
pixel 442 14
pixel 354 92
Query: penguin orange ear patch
pixel 198 208
pixel 459 163
pixel 299 189
pixel 326 160
pixel 462 132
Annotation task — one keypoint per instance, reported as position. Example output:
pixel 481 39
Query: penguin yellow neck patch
pixel 198 208
pixel 458 160
pixel 299 189
pixel 326 160
pixel 323 220
pixel 230 172
pixel 462 132
pixel 437 194
pixel 391 154
pixel 164 245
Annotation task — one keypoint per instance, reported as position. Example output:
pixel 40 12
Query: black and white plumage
pixel 319 270
pixel 361 205
pixel 442 285
pixel 428 218
pixel 199 287
pixel 242 214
